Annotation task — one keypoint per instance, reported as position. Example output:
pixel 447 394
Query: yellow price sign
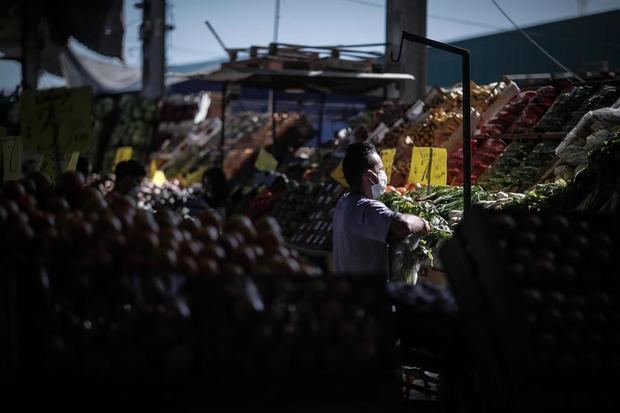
pixel 152 168
pixel 12 152
pixel 48 166
pixel 387 156
pixel 195 176
pixel 338 175
pixel 72 162
pixel 59 117
pixel 425 160
pixel 123 153
pixel 265 161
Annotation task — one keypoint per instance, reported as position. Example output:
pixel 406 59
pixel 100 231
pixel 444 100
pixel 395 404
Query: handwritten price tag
pixel 72 162
pixel 421 162
pixel 265 161
pixel 123 153
pixel 338 175
pixel 48 166
pixel 12 151
pixel 387 156
pixel 59 116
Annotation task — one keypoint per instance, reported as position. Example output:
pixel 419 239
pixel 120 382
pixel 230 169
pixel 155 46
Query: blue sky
pixel 242 23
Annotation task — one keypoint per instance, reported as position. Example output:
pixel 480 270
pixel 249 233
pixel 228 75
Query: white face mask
pixel 379 188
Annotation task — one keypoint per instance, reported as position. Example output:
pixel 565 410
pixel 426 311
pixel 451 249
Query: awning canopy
pixel 329 82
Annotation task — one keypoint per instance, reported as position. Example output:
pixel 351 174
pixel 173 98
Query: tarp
pixel 109 76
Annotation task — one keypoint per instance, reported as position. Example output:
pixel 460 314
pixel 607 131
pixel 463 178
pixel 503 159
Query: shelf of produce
pixel 311 252
pixel 535 136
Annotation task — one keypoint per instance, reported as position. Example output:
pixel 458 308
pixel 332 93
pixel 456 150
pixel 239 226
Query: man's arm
pixel 406 224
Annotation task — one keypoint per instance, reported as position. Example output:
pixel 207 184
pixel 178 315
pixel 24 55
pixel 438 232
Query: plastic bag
pixel 592 121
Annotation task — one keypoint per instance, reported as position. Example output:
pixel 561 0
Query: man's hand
pixel 406 224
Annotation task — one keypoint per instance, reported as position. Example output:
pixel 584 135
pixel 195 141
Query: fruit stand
pixel 99 288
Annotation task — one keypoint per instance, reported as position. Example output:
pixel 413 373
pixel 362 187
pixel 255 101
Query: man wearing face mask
pixel 362 223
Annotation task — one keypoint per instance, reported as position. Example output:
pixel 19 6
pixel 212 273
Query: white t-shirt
pixel 360 230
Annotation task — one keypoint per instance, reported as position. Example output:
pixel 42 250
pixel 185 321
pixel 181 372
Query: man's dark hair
pixel 131 168
pixel 356 161
pixel 219 185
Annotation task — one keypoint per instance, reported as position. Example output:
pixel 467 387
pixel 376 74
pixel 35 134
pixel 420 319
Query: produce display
pixel 387 113
pixel 536 163
pixel 300 202
pixel 540 287
pixel 597 187
pixel 436 127
pixel 316 231
pixel 503 121
pixel 276 327
pixel 406 256
pixel 51 224
pixel 563 108
pixel 134 127
pixel 603 98
pixel 501 176
pixel 535 109
pixel 484 153
pixel 239 131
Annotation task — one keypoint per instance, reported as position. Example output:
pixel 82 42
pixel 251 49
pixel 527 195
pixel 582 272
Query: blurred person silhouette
pixel 128 176
pixel 215 192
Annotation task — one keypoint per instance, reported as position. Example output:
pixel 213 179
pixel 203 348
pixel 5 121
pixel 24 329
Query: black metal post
pixel 223 132
pixel 273 115
pixel 466 135
pixel 321 115
pixel 464 53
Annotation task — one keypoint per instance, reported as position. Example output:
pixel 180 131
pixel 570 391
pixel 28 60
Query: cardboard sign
pixel 415 110
pixel 387 156
pixel 338 175
pixel 12 152
pixel 123 153
pixel 379 133
pixel 421 163
pixel 72 162
pixel 265 161
pixel 59 116
pixel 48 166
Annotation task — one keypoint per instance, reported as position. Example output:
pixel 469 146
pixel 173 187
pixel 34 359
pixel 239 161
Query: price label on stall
pixel 72 162
pixel 195 176
pixel 123 153
pixel 387 156
pixel 12 157
pixel 338 175
pixel 59 116
pixel 265 161
pixel 425 159
pixel 48 166
pixel 152 168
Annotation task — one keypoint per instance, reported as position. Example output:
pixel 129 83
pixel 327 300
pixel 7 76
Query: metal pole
pixel 223 132
pixel 321 116
pixel 30 50
pixel 153 33
pixel 466 135
pixel 277 22
pixel 273 116
pixel 464 53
